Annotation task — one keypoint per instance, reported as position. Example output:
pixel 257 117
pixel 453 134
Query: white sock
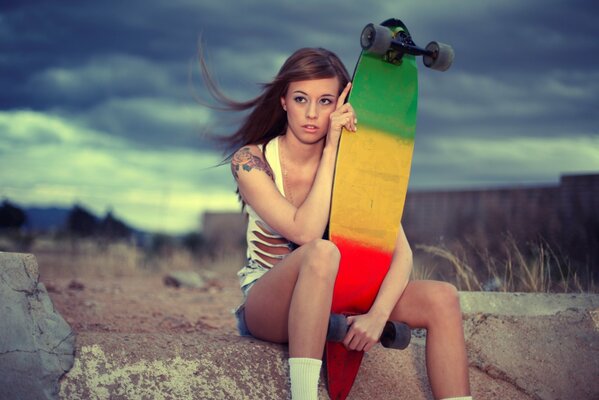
pixel 459 398
pixel 304 374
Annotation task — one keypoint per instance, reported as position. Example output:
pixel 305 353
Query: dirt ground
pixel 143 303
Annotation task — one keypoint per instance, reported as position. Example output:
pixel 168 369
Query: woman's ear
pixel 283 104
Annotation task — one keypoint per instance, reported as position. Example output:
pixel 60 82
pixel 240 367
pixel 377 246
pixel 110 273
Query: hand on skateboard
pixel 396 335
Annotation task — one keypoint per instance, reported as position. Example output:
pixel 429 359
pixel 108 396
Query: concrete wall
pixel 434 216
pixel 566 216
pixel 224 230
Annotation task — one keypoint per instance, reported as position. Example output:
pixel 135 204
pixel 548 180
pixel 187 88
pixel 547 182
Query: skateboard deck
pixel 369 190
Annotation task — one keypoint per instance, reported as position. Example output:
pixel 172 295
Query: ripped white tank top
pixel 257 264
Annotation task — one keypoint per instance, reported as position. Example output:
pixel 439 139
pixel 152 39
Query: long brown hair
pixel 267 118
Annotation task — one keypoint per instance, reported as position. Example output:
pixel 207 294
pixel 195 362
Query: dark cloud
pixel 123 68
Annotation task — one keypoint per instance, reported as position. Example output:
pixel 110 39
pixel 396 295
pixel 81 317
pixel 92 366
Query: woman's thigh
pixel 268 301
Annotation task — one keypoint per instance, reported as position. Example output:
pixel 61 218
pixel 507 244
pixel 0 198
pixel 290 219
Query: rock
pixel 217 366
pixel 75 285
pixel 36 344
pixel 548 356
pixel 52 288
pixel 188 279
pixel 176 366
pixel 525 304
pixel 548 350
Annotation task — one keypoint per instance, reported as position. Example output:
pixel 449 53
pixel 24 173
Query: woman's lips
pixel 310 128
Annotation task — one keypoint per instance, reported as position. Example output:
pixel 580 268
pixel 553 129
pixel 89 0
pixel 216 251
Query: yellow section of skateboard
pixel 376 169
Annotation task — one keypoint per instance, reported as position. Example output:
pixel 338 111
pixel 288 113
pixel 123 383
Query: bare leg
pixel 292 302
pixel 435 306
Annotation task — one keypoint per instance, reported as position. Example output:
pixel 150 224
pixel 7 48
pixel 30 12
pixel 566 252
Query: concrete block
pixel 521 347
pixel 36 344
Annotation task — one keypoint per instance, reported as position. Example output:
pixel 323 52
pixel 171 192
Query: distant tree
pixel 81 222
pixel 11 216
pixel 194 242
pixel 113 228
pixel 162 244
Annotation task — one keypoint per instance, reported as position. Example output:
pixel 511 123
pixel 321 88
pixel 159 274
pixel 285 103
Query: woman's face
pixel 308 105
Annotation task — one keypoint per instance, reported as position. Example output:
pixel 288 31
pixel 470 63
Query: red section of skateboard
pixel 342 368
pixel 361 272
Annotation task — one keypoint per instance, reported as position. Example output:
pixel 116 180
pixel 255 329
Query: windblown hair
pixel 267 119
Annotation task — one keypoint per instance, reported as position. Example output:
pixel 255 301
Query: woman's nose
pixel 312 111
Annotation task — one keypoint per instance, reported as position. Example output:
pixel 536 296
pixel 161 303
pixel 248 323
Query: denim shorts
pixel 240 311
pixel 248 275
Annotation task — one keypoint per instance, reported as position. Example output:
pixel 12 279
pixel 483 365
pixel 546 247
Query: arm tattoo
pixel 247 161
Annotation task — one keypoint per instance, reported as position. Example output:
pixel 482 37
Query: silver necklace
pixel 288 192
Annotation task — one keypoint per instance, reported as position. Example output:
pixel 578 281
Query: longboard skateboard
pixel 371 176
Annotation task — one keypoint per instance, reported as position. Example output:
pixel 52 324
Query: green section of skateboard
pixel 380 100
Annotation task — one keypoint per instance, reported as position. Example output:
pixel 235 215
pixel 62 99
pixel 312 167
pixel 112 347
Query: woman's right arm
pixel 308 221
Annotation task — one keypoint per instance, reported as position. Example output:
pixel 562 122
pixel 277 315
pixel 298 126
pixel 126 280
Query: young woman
pixel 283 164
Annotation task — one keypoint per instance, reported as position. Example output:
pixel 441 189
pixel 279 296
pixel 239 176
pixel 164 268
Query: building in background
pixel 565 216
pixel 224 231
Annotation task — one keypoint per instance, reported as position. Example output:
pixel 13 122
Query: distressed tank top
pixel 257 229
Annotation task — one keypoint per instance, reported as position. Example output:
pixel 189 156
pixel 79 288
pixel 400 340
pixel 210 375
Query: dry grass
pixel 536 268
pixel 93 258
pixel 539 269
pixel 465 276
pixel 86 258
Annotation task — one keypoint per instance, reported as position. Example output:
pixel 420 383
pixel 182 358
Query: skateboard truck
pixel 392 43
pixel 396 335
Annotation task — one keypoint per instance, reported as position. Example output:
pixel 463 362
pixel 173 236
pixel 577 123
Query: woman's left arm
pixel 365 330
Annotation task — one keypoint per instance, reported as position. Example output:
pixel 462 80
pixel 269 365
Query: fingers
pixel 357 339
pixel 345 116
pixel 354 342
pixel 350 119
pixel 343 95
pixel 350 336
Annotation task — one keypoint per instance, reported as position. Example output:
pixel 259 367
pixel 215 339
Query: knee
pixel 445 302
pixel 322 259
pixel 325 250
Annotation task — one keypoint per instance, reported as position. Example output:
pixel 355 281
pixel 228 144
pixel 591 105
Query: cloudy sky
pixel 97 99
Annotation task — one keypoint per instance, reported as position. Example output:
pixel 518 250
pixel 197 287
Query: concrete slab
pixel 554 355
pixel 125 366
pixel 535 304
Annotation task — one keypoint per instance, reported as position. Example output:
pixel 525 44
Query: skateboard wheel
pixel 375 39
pixel 337 328
pixel 396 335
pixel 442 57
